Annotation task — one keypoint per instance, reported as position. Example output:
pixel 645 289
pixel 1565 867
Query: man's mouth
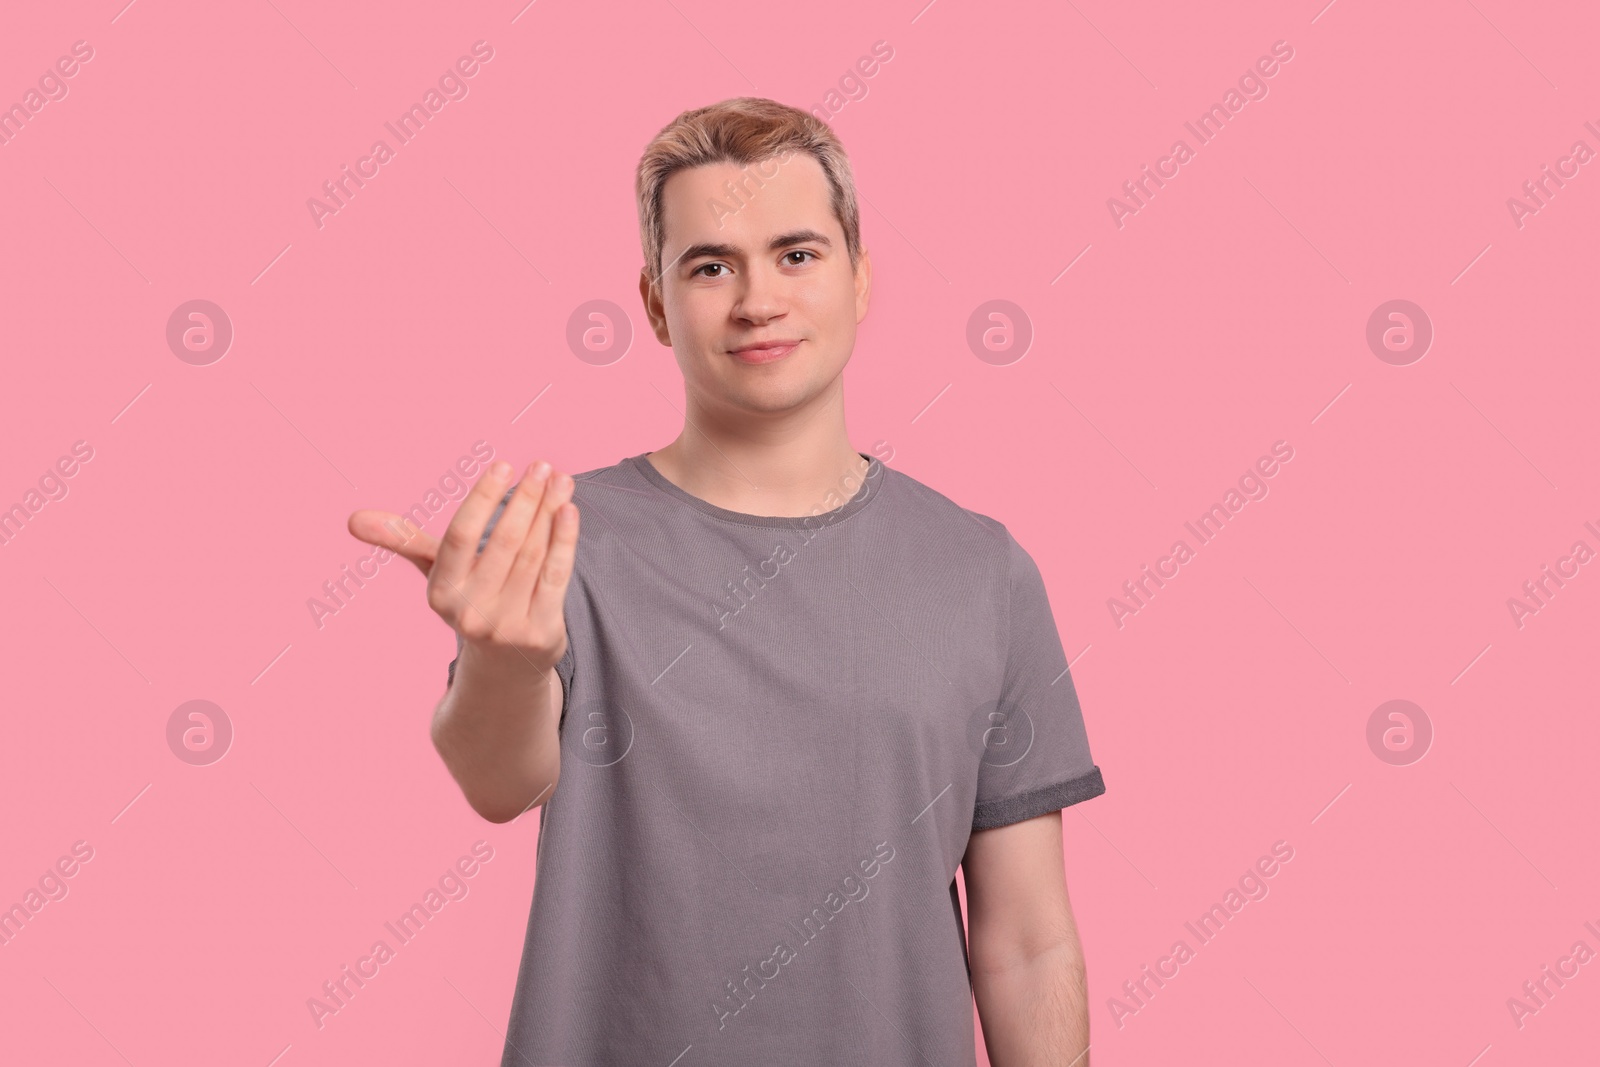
pixel 764 351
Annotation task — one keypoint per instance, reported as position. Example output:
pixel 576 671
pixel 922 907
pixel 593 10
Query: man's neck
pixel 792 475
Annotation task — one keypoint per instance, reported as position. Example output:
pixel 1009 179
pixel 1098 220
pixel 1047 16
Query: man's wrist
pixel 503 664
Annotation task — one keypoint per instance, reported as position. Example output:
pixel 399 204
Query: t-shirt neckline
pixel 868 490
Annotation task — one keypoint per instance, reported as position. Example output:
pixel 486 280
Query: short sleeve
pixel 563 666
pixel 1034 751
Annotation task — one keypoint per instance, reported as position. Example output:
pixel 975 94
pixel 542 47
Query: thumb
pixel 398 534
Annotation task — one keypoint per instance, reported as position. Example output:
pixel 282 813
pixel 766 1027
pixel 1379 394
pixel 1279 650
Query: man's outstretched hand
pixel 507 600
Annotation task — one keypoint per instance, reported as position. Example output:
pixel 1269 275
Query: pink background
pixel 1228 314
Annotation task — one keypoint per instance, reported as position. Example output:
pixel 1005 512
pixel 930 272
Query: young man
pixel 793 688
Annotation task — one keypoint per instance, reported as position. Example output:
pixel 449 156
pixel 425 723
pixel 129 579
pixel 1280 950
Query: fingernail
pixel 541 469
pixel 501 470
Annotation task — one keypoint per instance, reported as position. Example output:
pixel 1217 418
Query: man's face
pixel 764 262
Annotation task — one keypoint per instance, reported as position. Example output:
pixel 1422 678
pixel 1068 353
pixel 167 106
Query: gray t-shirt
pixel 777 736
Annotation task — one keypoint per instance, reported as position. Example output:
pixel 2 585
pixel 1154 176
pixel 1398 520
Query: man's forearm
pixel 1035 1013
pixel 495 729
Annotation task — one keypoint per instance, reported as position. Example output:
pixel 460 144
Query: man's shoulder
pixel 621 473
pixel 926 506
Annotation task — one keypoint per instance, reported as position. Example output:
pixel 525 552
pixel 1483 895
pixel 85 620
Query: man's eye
pixel 708 266
pixel 799 252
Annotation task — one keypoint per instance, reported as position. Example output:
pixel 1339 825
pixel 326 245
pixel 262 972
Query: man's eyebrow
pixel 783 240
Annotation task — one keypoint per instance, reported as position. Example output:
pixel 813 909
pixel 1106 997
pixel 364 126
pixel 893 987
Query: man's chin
pixel 772 390
pixel 768 399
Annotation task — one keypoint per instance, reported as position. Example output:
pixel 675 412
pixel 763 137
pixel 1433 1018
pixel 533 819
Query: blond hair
pixel 742 130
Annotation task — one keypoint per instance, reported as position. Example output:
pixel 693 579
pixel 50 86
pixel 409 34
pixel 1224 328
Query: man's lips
pixel 765 352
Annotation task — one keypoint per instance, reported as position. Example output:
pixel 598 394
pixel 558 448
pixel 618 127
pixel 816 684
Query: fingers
pixel 458 548
pixel 399 535
pixel 550 594
pixel 510 530
pixel 524 576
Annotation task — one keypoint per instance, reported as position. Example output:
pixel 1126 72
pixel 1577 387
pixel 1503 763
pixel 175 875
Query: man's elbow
pixel 503 810
pixel 1059 946
pixel 494 814
pixel 503 794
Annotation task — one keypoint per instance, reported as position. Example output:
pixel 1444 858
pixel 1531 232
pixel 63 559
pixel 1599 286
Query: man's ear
pixel 863 284
pixel 653 309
